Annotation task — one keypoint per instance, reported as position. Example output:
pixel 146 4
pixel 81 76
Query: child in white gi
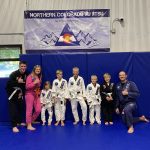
pixel 94 100
pixel 77 94
pixel 47 103
pixel 60 91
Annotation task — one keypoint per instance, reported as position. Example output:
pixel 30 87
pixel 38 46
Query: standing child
pixel 108 95
pixel 77 95
pixel 94 100
pixel 47 103
pixel 60 91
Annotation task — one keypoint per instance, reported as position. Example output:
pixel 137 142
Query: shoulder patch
pixel 71 83
pixel 89 88
pixel 56 83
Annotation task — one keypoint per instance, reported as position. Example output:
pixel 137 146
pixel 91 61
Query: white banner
pixel 67 29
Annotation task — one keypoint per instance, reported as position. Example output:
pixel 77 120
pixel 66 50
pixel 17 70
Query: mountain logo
pixel 67 38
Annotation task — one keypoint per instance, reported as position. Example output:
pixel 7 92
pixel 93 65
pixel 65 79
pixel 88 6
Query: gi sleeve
pixel 114 92
pixel 133 92
pixel 88 94
pixel 66 90
pixel 83 88
pixel 30 83
pixel 117 102
pixel 103 96
pixel 12 80
pixel 42 97
pixel 53 89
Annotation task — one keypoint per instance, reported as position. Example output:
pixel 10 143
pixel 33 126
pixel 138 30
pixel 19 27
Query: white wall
pixel 134 36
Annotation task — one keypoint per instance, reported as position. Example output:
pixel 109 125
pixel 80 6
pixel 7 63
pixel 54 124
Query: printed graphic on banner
pixel 61 29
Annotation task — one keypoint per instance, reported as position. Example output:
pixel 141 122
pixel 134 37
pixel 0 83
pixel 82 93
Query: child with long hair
pixel 47 103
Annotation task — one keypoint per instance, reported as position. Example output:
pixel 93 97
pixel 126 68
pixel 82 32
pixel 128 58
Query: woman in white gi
pixel 77 94
pixel 94 100
pixel 60 92
pixel 47 103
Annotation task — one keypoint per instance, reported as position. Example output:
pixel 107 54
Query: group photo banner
pixel 67 29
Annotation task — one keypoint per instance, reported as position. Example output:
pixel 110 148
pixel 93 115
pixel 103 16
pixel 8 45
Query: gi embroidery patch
pixel 118 87
pixel 62 84
pixel 72 83
pixel 78 83
pixel 111 86
pixel 104 86
pixel 48 95
pixel 43 94
pixel 90 88
pixel 56 83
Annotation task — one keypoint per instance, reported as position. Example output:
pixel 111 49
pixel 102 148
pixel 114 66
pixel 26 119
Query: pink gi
pixel 32 100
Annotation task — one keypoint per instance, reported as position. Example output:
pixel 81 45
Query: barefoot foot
pixel 57 123
pixel 84 123
pixel 75 123
pixel 15 129
pixel 62 123
pixel 106 123
pixel 131 130
pixel 143 118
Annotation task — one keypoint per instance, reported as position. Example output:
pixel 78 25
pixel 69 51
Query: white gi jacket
pixel 93 94
pixel 60 89
pixel 76 88
pixel 46 97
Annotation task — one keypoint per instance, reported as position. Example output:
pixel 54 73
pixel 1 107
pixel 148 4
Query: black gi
pixel 16 102
pixel 107 106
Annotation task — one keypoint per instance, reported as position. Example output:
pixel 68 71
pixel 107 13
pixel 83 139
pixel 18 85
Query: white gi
pixel 76 94
pixel 60 92
pixel 46 100
pixel 94 101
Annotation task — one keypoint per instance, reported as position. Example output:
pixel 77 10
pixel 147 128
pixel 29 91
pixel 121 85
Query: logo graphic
pixel 68 38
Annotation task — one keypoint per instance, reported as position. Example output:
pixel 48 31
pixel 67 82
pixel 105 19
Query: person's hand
pixel 20 80
pixel 125 92
pixel 117 111
pixel 19 95
pixel 111 98
pixel 36 81
pixel 108 98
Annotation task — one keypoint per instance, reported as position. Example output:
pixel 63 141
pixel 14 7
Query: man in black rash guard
pixel 16 90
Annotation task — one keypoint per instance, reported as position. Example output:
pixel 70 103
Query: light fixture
pixel 120 20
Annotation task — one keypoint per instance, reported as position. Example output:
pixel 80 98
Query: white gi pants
pixel 92 110
pixel 49 108
pixel 74 106
pixel 60 110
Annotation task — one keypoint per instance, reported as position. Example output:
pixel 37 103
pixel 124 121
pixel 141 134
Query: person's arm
pixel 117 101
pixel 133 92
pixel 103 96
pixel 69 85
pixel 42 97
pixel 113 92
pixel 83 88
pixel 66 90
pixel 53 89
pixel 30 84
pixel 88 94
pixel 13 81
pixel 99 93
